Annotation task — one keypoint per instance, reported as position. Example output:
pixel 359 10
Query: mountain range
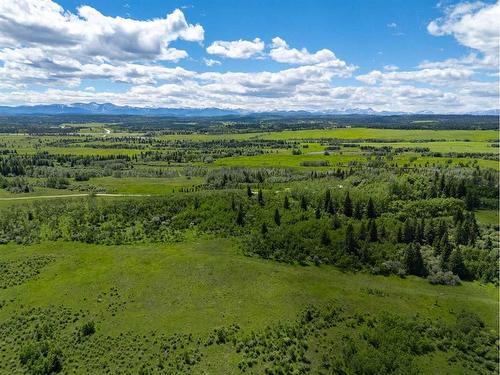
pixel 112 109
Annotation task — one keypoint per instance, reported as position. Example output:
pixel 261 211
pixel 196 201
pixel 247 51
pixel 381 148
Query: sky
pixel 260 55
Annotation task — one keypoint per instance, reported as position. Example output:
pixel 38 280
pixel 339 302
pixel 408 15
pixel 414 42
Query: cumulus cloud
pixel 237 49
pixel 90 34
pixel 281 52
pixel 473 25
pixel 48 55
pixel 431 76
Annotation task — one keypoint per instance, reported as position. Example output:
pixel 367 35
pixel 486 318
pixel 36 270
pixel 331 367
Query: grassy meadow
pixel 176 252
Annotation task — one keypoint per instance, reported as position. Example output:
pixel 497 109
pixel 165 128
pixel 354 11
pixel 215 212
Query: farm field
pixel 159 250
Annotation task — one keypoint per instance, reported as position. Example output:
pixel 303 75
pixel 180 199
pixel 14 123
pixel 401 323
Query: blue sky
pixel 258 55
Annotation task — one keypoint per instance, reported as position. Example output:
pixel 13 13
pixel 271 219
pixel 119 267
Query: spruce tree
pixel 325 238
pixel 362 231
pixel 456 264
pixel 249 191
pixel 327 200
pixel 240 216
pixel 277 217
pixel 350 244
pixel 413 261
pixel 358 210
pixel 372 231
pixel 263 229
pixel 286 203
pixel 347 205
pixel 336 223
pixel 303 203
pixel 317 212
pixel 260 197
pixel 408 231
pixel 370 209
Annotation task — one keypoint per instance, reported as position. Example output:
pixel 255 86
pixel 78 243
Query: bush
pixel 41 358
pixel 443 278
pixel 88 329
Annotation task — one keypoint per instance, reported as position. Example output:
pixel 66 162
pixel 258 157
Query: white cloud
pixel 392 25
pixel 42 44
pixel 281 52
pixel 432 76
pixel 237 49
pixel 474 25
pixel 211 62
pixel 90 34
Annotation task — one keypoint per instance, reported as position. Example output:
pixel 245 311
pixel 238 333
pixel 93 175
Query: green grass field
pixel 201 284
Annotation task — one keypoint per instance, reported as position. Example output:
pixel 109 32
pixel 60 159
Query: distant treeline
pixel 259 122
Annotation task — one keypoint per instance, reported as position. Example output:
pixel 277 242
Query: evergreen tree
pixel 263 229
pixel 458 216
pixel 350 241
pixel 372 231
pixel 358 210
pixel 317 212
pixel 444 249
pixel 260 197
pixel 408 231
pixel 331 207
pixel 399 235
pixel 303 203
pixel 370 209
pixel 456 264
pixel 471 200
pixel 327 200
pixel 325 238
pixel 336 223
pixel 240 216
pixel 286 203
pixel 233 203
pixel 362 231
pixel 413 261
pixel 347 205
pixel 277 217
pixel 249 191
pixel 461 234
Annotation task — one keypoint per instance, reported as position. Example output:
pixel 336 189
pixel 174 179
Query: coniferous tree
pixel 350 241
pixel 336 223
pixel 249 191
pixel 461 234
pixel 362 231
pixel 413 261
pixel 260 197
pixel 263 229
pixel 399 235
pixel 286 203
pixel 303 203
pixel 456 264
pixel 347 205
pixel 277 217
pixel 331 207
pixel 408 231
pixel 233 203
pixel 444 249
pixel 358 210
pixel 327 200
pixel 317 212
pixel 372 231
pixel 240 216
pixel 458 216
pixel 370 209
pixel 325 238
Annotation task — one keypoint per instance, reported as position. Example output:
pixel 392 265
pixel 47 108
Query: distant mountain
pixel 111 109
